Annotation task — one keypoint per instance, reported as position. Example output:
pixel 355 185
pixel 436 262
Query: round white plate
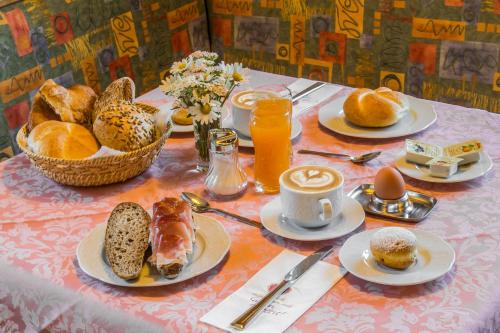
pixel 245 141
pixel 434 259
pixel 465 173
pixel 350 219
pixel 212 244
pixel 420 116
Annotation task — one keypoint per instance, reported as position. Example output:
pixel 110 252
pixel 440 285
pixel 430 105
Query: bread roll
pixel 181 117
pixel 40 112
pixel 122 89
pixel 54 102
pixel 62 140
pixel 375 108
pixel 124 126
pixel 394 247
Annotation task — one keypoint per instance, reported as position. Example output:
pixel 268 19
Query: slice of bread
pixel 127 238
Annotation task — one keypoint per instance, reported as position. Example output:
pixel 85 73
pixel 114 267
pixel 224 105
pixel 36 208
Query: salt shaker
pixel 225 178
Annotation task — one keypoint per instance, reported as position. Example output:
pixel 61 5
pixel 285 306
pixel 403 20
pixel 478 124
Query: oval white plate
pixel 245 141
pixel 465 173
pixel 420 116
pixel 351 218
pixel 212 244
pixel 434 259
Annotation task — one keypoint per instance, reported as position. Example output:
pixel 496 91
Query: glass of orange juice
pixel 270 127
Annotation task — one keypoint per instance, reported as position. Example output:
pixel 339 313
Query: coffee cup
pixel 242 104
pixel 311 195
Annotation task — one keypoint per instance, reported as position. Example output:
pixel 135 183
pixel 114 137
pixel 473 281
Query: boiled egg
pixel 389 184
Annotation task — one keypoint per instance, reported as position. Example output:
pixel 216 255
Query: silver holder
pixel 411 207
pixel 398 206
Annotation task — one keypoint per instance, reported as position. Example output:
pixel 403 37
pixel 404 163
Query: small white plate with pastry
pixel 133 251
pixel 247 142
pixel 396 256
pixel 464 173
pixel 377 114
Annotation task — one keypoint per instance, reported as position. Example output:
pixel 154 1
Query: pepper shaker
pixel 225 178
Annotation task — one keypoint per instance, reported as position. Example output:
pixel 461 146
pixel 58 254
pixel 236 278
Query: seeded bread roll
pixel 394 247
pixel 122 89
pixel 124 126
pixel 126 240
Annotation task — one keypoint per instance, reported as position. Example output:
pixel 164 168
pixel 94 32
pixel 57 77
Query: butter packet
pixel 443 166
pixel 468 151
pixel 420 152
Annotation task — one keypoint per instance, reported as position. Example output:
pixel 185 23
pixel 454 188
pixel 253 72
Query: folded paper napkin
pixel 288 307
pixel 312 99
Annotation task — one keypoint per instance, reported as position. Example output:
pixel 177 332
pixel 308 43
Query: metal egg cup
pixel 411 207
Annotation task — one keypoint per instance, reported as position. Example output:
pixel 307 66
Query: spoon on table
pixel 354 159
pixel 201 205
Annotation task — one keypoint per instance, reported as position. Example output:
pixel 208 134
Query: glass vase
pixel 202 142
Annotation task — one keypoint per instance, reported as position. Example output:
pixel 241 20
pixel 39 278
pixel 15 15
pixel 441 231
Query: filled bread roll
pixel 62 140
pixel 55 102
pixel 124 126
pixel 394 247
pixel 375 108
pixel 122 89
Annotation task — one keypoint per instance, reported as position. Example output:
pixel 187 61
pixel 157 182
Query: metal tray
pixel 413 207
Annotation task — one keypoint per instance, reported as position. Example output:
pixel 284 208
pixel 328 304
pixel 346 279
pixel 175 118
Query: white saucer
pixel 245 141
pixel 212 244
pixel 465 173
pixel 434 259
pixel 420 116
pixel 351 218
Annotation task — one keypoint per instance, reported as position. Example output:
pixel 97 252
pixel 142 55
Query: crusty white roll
pixel 64 140
pixel 375 108
pixel 394 247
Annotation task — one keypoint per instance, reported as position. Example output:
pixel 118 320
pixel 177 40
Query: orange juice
pixel 270 127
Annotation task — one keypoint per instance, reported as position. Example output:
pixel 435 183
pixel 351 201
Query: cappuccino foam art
pixel 311 178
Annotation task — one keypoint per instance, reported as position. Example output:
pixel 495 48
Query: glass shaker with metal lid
pixel 225 178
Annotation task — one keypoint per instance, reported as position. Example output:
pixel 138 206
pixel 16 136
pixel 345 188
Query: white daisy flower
pixel 179 66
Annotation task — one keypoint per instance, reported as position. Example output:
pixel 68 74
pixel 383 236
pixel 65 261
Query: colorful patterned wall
pixel 90 42
pixel 446 50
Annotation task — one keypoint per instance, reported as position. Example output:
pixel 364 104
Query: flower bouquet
pixel 201 84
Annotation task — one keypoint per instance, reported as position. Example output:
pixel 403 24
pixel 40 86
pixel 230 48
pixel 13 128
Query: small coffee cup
pixel 242 104
pixel 311 195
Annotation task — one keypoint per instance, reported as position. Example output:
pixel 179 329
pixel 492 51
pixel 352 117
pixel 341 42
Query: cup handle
pixel 326 209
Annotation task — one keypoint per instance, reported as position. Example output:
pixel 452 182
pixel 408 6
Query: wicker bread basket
pixel 96 171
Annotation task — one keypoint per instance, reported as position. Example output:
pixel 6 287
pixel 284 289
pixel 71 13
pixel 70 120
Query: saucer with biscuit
pixel 377 114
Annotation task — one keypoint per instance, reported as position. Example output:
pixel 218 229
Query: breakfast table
pixel 42 223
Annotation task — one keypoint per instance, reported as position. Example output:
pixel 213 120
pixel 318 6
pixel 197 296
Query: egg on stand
pixel 390 193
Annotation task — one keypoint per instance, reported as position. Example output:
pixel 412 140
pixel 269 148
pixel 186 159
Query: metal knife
pixel 312 88
pixel 290 278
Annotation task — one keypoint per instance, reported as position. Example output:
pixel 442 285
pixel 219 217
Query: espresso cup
pixel 241 107
pixel 311 195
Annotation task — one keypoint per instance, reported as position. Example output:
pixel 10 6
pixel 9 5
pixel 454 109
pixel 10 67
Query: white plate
pixel 420 116
pixel 245 141
pixel 212 244
pixel 434 259
pixel 465 173
pixel 350 219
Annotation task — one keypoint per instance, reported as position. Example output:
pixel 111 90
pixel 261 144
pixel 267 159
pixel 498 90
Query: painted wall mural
pixel 445 50
pixel 89 42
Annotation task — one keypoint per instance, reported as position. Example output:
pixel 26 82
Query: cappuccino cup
pixel 311 195
pixel 242 104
